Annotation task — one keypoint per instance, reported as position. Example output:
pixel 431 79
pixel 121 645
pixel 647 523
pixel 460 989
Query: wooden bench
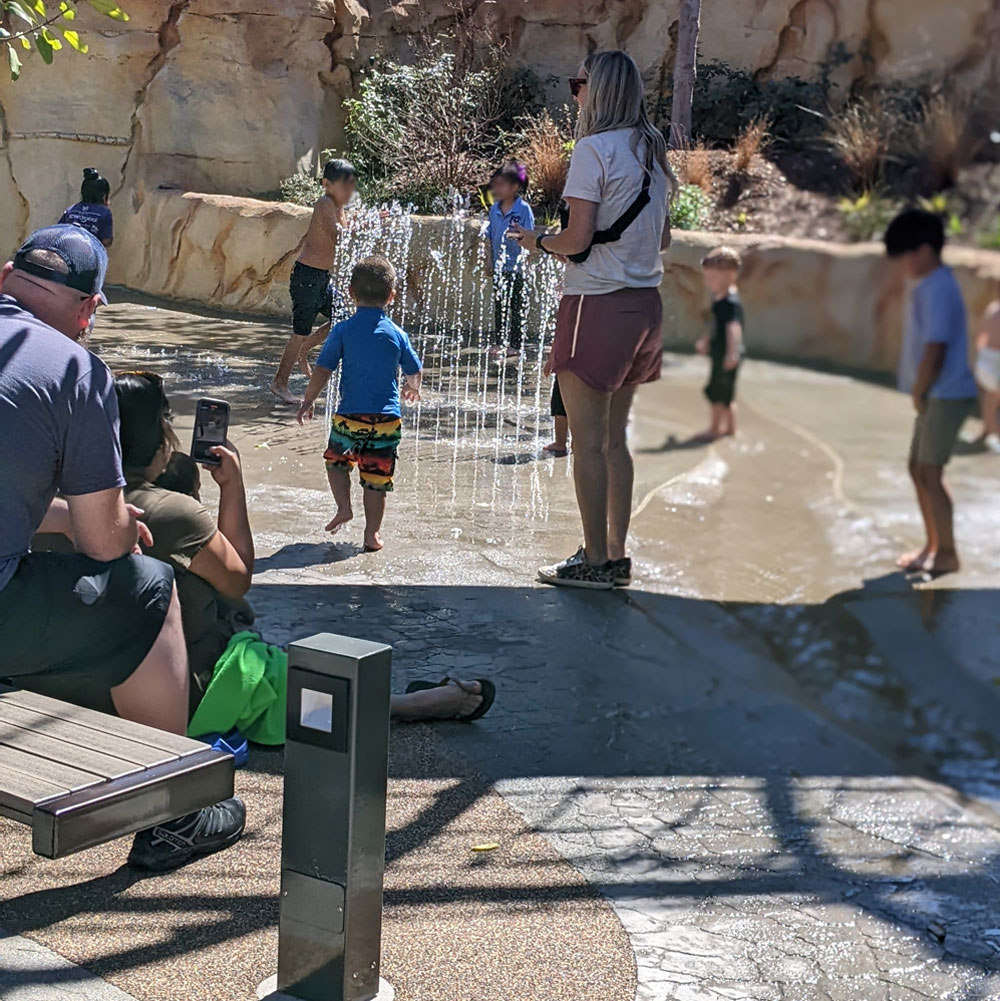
pixel 80 778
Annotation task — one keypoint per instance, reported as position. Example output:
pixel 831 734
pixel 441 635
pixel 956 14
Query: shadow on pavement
pixel 788 721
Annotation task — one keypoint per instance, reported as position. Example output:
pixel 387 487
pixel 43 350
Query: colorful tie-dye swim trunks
pixel 368 441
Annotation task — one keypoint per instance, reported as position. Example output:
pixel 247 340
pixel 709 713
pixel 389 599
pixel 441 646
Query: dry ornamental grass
pixel 545 148
pixel 861 134
pixel 695 167
pixel 750 143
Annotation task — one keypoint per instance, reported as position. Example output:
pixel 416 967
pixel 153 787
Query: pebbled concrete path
pixel 769 771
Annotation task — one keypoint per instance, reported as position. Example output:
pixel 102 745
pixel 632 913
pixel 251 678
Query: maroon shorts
pixel 612 340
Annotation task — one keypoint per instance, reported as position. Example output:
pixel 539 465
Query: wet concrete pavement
pixel 775 758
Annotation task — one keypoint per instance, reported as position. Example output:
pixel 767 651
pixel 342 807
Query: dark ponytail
pixel 95 189
pixel 144 413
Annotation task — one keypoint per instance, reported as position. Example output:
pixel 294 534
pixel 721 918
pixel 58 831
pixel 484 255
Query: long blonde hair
pixel 616 99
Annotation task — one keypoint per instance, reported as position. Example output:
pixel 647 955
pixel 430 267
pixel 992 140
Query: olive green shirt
pixel 181 526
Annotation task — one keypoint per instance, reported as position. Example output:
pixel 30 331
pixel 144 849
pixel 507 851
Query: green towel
pixel 248 692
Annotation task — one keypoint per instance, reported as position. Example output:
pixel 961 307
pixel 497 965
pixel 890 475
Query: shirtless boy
pixel 311 290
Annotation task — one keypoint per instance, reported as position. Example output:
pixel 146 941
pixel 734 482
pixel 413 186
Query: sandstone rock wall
pixel 827 303
pixel 232 95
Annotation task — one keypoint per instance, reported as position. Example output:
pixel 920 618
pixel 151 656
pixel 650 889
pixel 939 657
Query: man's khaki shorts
pixel 935 431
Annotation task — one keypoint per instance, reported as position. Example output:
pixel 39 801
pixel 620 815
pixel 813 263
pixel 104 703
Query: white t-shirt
pixel 604 169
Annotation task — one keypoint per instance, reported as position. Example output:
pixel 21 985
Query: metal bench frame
pixel 63 820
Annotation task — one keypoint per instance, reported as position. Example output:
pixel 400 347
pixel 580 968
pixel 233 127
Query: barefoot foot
pixel 373 543
pixel 285 395
pixel 556 448
pixel 913 561
pixel 340 519
pixel 941 563
pixel 457 698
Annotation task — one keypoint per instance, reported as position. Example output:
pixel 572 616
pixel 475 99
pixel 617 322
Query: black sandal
pixel 488 692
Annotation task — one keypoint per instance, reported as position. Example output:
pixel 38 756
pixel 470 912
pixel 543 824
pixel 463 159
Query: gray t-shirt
pixel 58 427
pixel 604 169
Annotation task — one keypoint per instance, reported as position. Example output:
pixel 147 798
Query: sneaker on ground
pixel 177 842
pixel 621 570
pixel 577 572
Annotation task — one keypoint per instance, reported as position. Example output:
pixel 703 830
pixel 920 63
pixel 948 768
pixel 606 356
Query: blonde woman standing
pixel 608 336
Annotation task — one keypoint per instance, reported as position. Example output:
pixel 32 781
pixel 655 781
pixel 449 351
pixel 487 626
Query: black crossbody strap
pixel 617 228
pixel 629 216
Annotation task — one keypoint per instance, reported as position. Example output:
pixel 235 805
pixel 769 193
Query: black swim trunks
pixel 312 295
pixel 721 386
pixel 74 628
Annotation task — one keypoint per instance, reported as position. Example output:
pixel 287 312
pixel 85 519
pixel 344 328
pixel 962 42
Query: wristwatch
pixel 540 245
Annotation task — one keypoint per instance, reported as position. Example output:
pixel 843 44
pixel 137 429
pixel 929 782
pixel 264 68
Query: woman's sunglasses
pixel 576 84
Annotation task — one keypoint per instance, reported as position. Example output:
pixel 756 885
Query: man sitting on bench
pixel 101 628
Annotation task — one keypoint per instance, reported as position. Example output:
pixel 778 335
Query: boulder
pixel 233 96
pixel 825 303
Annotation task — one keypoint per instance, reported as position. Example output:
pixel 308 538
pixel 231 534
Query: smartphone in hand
pixel 211 428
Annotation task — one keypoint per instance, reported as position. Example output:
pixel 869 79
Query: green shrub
pixel 728 100
pixel 989 239
pixel 419 133
pixel 867 216
pixel 301 189
pixel 689 208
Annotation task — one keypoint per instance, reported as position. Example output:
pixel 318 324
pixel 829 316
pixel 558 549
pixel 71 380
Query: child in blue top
pixel 507 185
pixel 366 428
pixel 91 212
pixel 934 369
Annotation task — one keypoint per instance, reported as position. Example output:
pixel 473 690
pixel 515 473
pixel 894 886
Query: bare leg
pixel 621 473
pixel 729 420
pixel 943 557
pixel 558 447
pixel 715 424
pixel 991 413
pixel 156 693
pixel 340 485
pixel 915 560
pixel 318 336
pixel 459 698
pixel 589 414
pixel 374 513
pixel 291 354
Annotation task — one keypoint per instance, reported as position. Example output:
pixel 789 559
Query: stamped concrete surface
pixel 768 771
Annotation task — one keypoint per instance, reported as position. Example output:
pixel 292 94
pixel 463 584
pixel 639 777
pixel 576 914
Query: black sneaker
pixel 577 572
pixel 176 842
pixel 622 570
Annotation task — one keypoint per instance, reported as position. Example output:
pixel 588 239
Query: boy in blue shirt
pixel 506 265
pixel 934 369
pixel 366 428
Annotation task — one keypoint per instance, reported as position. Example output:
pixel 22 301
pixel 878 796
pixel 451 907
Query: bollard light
pixel 333 840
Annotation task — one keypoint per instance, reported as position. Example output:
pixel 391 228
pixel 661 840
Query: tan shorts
pixel 935 431
pixel 612 340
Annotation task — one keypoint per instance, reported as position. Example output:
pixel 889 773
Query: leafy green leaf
pixel 109 8
pixel 73 39
pixel 45 50
pixel 67 11
pixel 39 7
pixel 18 11
pixel 15 62
pixel 51 39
